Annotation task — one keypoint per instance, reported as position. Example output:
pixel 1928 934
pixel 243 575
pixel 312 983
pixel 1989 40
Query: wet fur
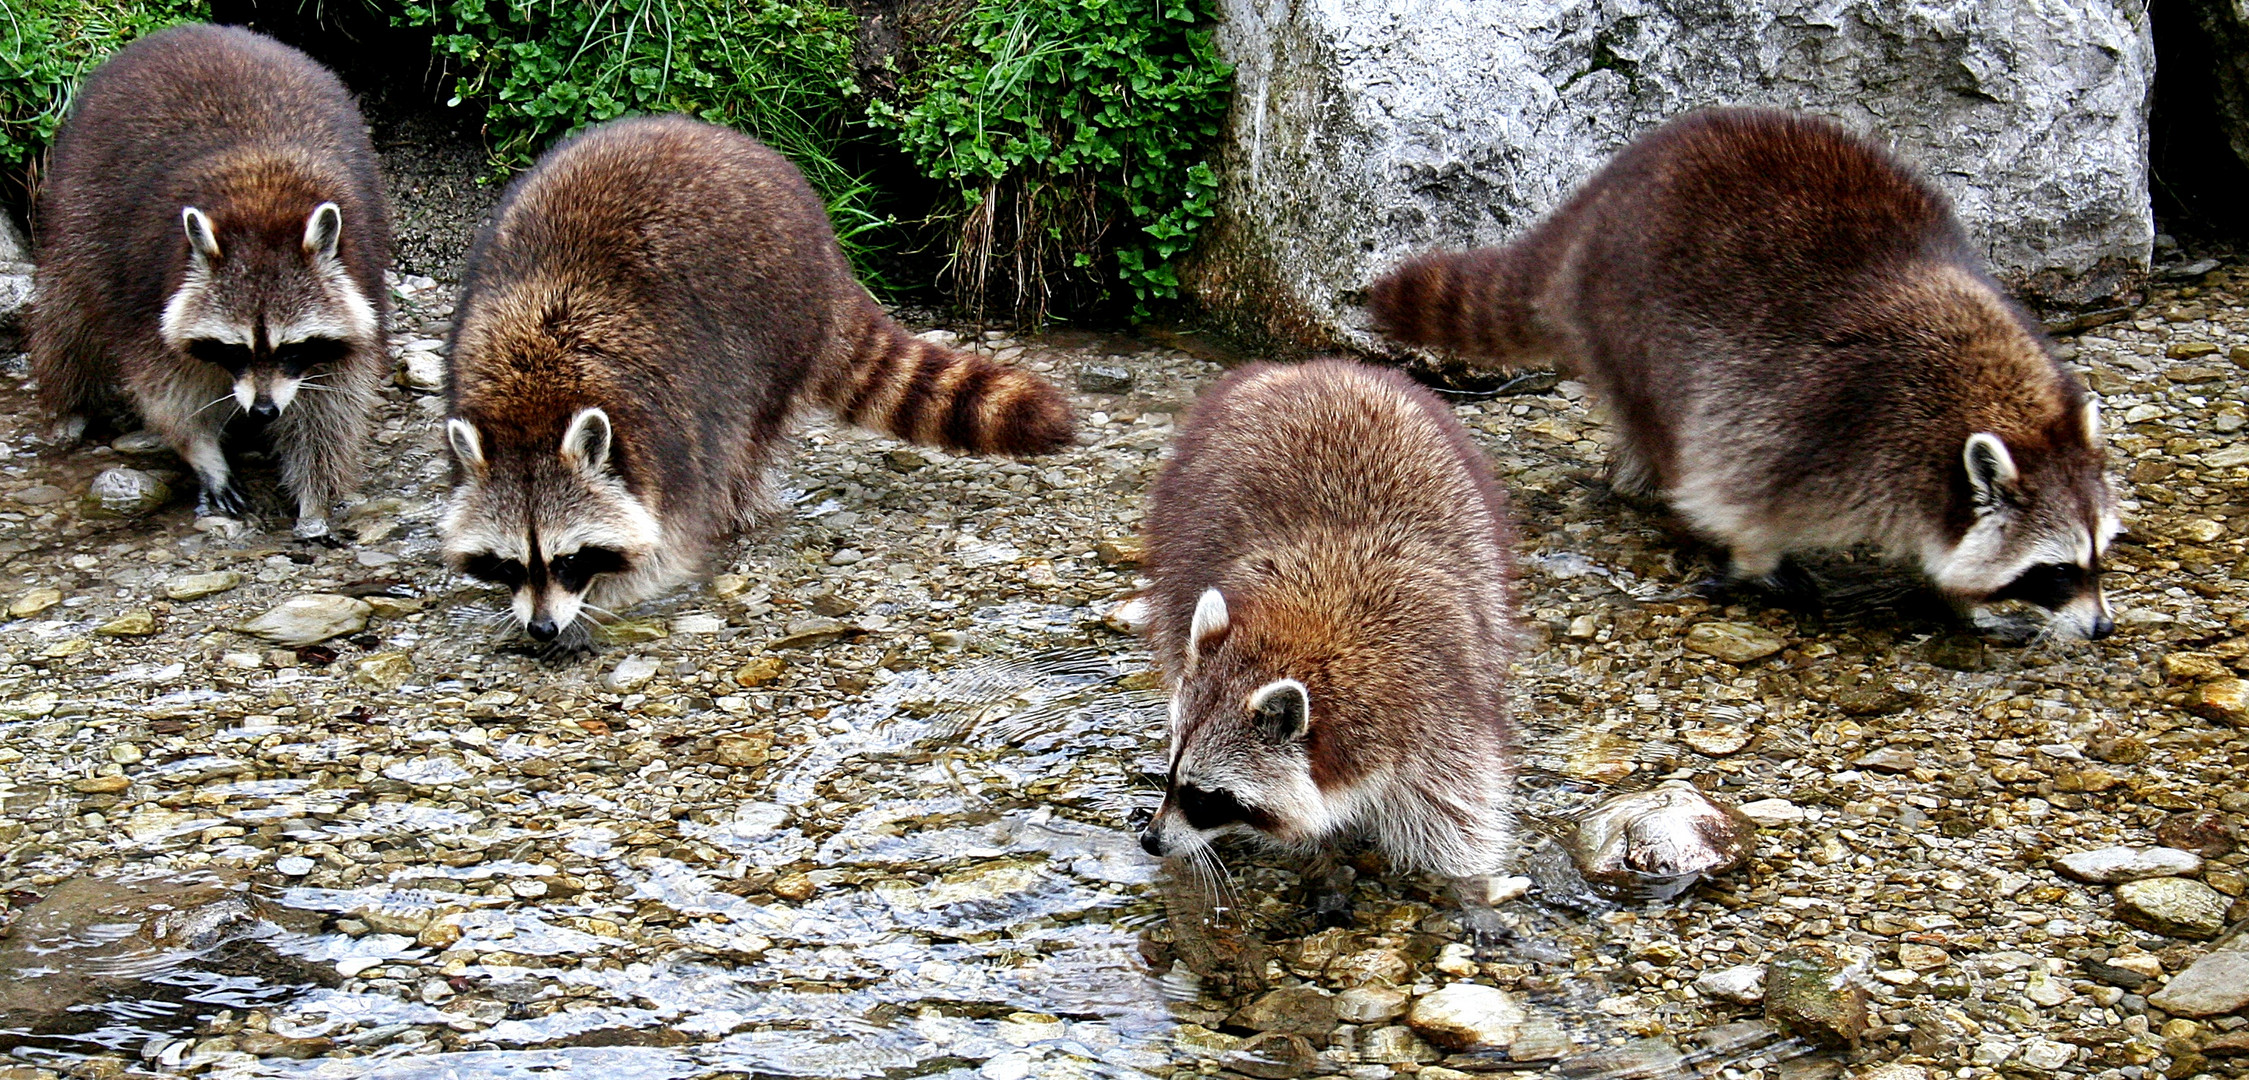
pixel 255 135
pixel 1794 341
pixel 683 279
pixel 1364 551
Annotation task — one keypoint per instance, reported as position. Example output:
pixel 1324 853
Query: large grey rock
pixel 2217 983
pixel 1363 130
pixel 15 301
pixel 13 247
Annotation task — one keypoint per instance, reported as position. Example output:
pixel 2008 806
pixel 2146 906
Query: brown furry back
pixel 250 130
pixel 1363 546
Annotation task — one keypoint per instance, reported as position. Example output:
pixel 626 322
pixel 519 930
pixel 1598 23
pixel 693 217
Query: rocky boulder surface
pixel 1361 132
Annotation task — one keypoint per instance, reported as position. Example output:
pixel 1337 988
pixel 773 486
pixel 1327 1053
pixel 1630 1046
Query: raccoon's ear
pixel 468 446
pixel 1209 625
pixel 586 442
pixel 201 238
pixel 322 230
pixel 1991 469
pixel 1282 711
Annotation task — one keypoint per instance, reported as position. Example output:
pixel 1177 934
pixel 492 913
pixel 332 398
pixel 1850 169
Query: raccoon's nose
pixel 1151 843
pixel 265 409
pixel 541 629
pixel 2103 626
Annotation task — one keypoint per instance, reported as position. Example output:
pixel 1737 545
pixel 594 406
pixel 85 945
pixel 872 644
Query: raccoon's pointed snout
pixel 542 628
pixel 1152 841
pixel 264 408
pixel 2103 626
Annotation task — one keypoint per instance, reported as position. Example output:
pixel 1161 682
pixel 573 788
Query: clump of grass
pixel 1073 135
pixel 47 47
pixel 777 69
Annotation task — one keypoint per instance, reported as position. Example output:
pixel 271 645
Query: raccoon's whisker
pixel 220 400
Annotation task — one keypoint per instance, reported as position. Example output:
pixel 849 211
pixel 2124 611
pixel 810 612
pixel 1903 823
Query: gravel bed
pixel 863 804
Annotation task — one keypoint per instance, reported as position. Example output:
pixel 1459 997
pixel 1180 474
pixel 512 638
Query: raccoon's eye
pixel 1209 809
pixel 574 570
pixel 294 357
pixel 494 569
pixel 2048 585
pixel 226 354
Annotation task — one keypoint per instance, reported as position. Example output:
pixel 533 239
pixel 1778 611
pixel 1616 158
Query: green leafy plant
pixel 47 46
pixel 1073 134
pixel 777 69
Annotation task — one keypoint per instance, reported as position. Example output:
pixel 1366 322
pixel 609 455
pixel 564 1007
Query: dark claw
pixel 229 501
pixel 1791 586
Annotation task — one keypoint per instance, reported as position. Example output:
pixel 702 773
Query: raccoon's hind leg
pixel 66 362
pixel 1327 889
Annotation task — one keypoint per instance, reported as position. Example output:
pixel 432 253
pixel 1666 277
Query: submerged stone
pixel 1809 990
pixel 309 619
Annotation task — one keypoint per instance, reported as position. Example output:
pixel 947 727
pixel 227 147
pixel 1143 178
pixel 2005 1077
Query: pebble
pixel 33 601
pixel 423 371
pixel 630 674
pixel 2174 907
pixel 1394 1045
pixel 1273 1055
pixel 1647 1057
pixel 1671 833
pixel 1370 1004
pixel 198 586
pixel 1539 1040
pixel 1742 984
pixel 1466 1016
pixel 2207 833
pixel 2216 984
pixel 631 631
pixel 309 619
pixel 806 633
pixel 1809 990
pixel 120 492
pixel 1301 1010
pixel 40 495
pixel 743 751
pixel 382 671
pixel 139 622
pixel 1715 742
pixel 1923 957
pixel 1772 813
pixel 760 671
pixel 2224 700
pixel 2113 865
pixel 1894 759
pixel 1104 378
pixel 1735 643
pixel 294 865
pixel 2046 1055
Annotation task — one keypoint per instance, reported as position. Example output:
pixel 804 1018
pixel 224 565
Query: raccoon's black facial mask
pixel 577 570
pixel 494 569
pixel 572 572
pixel 294 358
pixel 2049 585
pixel 1205 809
pixel 226 354
pixel 297 357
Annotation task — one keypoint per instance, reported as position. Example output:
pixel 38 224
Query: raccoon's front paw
pixel 228 501
pixel 1330 910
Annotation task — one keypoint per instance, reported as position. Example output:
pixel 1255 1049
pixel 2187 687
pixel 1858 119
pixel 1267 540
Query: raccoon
pixel 213 235
pixel 1332 567
pixel 1799 350
pixel 638 321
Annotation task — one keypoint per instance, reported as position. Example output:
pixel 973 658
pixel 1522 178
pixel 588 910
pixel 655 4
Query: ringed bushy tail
pixel 926 393
pixel 1470 303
